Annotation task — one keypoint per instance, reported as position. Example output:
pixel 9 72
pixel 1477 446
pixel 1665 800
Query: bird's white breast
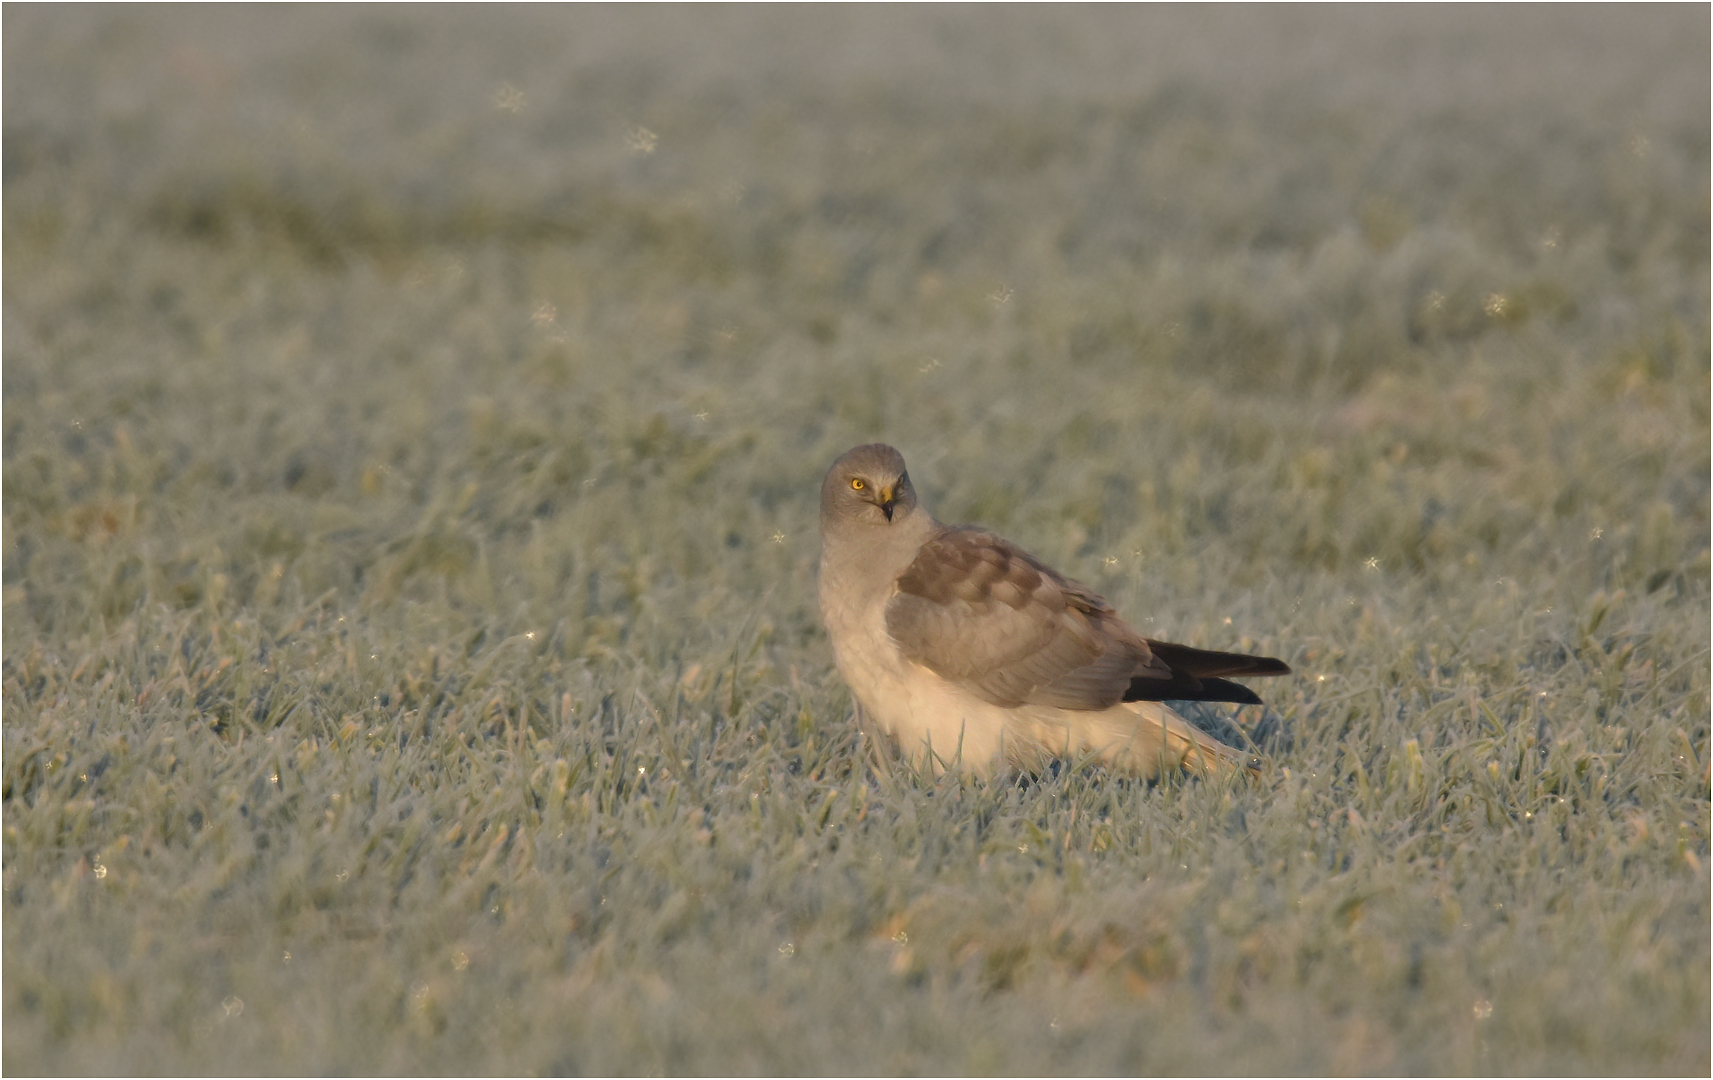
pixel 923 711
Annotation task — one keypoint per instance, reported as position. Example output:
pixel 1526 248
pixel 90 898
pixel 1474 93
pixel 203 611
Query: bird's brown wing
pixel 979 610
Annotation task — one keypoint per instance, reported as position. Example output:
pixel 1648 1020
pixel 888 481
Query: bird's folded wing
pixel 980 611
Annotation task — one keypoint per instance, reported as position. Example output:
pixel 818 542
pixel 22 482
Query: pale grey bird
pixel 971 652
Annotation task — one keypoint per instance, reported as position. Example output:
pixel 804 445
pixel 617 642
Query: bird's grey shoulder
pixel 979 610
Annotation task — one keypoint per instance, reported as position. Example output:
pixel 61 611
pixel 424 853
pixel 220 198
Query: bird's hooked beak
pixel 888 499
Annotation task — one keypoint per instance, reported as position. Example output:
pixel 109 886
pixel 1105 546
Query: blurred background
pixel 458 371
pixel 356 254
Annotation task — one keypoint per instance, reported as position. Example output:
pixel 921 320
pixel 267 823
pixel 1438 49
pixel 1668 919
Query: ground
pixel 413 426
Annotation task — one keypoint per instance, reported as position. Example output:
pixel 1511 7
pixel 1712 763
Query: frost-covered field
pixel 413 423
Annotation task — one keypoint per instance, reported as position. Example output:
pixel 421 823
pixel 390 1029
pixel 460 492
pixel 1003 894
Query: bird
pixel 975 655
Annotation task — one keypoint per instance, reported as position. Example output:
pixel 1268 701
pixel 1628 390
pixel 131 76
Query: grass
pixel 413 425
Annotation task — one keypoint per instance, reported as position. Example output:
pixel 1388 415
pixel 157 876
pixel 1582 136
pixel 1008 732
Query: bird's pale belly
pixel 938 725
pixel 922 711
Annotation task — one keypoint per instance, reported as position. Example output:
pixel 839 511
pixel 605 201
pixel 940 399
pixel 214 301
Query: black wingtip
pixel 1189 688
pixel 1225 690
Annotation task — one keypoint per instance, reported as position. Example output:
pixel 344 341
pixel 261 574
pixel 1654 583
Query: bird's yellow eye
pixel 858 484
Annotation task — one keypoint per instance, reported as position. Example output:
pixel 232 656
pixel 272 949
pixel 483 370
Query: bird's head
pixel 867 485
